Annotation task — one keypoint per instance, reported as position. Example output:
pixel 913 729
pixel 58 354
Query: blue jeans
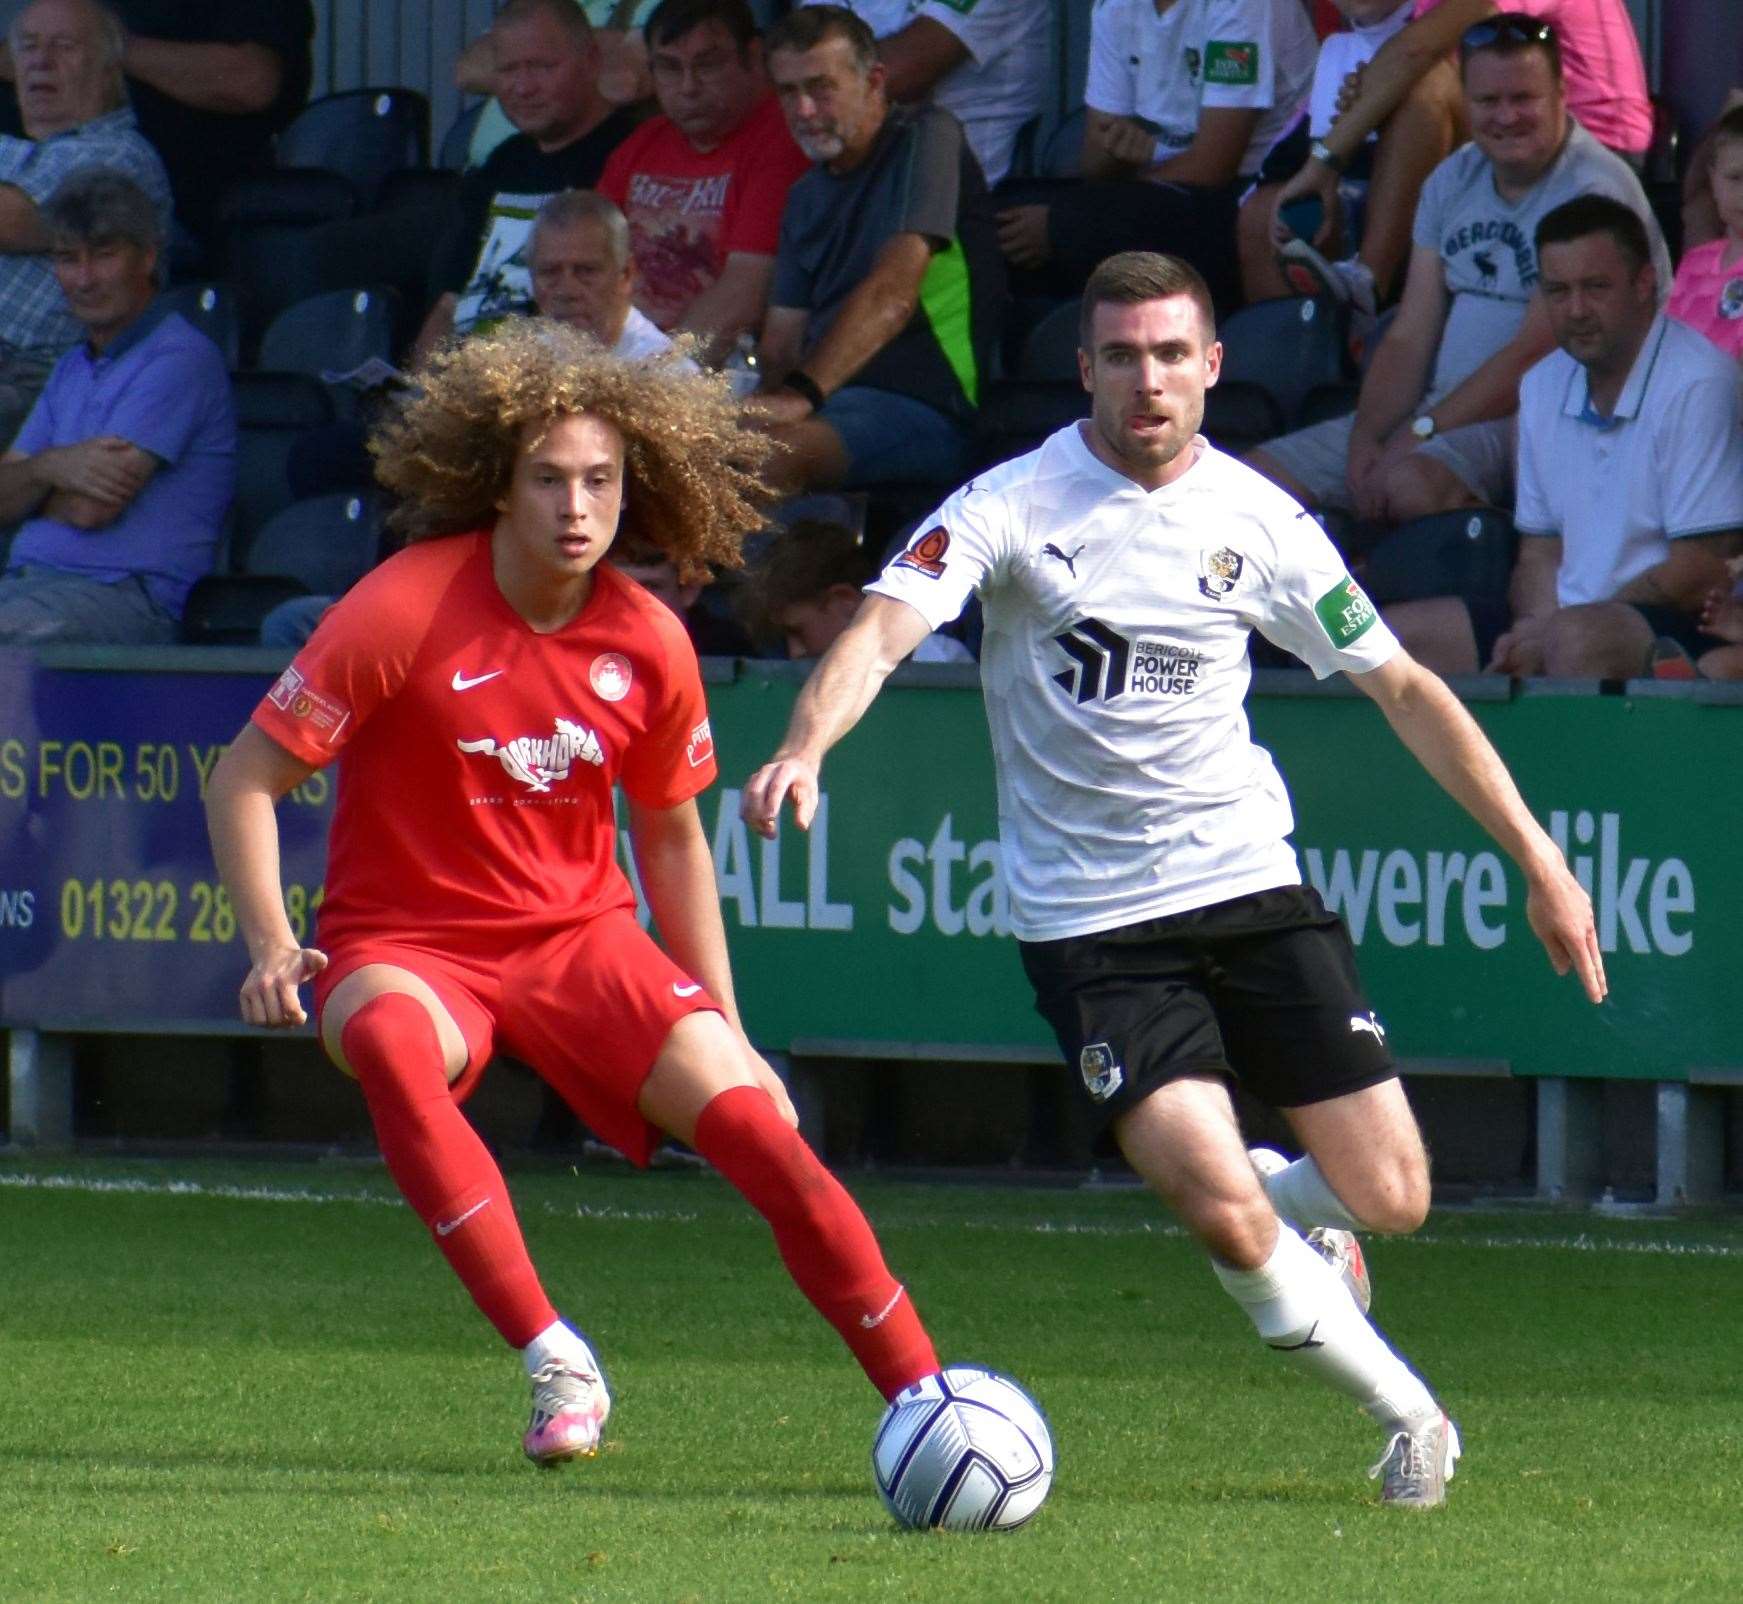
pixel 891 438
pixel 40 606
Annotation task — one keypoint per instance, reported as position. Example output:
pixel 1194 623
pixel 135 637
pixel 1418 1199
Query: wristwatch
pixel 1423 427
pixel 1320 151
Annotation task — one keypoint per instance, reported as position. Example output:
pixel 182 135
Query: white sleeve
pixel 1701 442
pixel 985 27
pixel 1240 68
pixel 956 551
pixel 1532 513
pixel 1315 610
pixel 1112 85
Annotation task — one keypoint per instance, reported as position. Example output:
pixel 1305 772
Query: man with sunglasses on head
pixel 1433 427
pixel 1406 93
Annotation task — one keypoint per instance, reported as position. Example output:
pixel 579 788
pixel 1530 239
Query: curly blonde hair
pixel 692 484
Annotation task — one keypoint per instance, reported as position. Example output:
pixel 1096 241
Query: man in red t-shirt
pixel 484 691
pixel 703 184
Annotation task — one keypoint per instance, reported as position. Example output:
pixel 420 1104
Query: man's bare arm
pixel 1695 566
pixel 237 78
pixel 733 303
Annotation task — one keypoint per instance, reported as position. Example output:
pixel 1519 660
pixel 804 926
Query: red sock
pixel 445 1172
pixel 827 1246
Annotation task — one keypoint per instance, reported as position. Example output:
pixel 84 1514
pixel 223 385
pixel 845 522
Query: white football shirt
pixel 1165 68
pixel 1114 666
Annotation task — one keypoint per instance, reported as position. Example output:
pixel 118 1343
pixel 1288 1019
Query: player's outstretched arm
pixel 1445 739
pixel 844 684
pixel 254 772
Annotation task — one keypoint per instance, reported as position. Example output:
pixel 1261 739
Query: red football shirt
pixel 476 757
pixel 688 212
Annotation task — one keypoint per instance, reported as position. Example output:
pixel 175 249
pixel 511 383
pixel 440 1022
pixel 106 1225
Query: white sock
pixel 558 1341
pixel 1303 1196
pixel 1302 1309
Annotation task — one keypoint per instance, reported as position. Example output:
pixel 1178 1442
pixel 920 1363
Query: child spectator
pixel 1708 293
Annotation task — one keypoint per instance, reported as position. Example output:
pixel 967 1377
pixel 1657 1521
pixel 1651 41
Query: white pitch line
pixel 1581 1242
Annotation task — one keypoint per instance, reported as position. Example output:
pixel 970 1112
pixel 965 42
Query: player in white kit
pixel 1157 903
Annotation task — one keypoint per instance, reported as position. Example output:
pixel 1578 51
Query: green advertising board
pixel 887 924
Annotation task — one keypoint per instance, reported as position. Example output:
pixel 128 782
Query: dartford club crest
pixel 1102 1075
pixel 1218 571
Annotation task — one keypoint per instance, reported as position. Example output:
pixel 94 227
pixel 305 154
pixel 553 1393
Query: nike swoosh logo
pixel 461 683
pixel 872 1321
pixel 684 991
pixel 448 1227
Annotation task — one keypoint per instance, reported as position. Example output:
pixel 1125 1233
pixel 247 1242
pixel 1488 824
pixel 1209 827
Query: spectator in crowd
pixel 1436 125
pixel 124 469
pixel 1433 427
pixel 984 61
pixel 1404 94
pixel 1700 217
pixel 1183 103
pixel 68 59
pixel 583 274
pixel 809 584
pixel 547 69
pixel 623 70
pixel 211 82
pixel 888 285
pixel 703 183
pixel 1630 474
pixel 711 631
pixel 1708 293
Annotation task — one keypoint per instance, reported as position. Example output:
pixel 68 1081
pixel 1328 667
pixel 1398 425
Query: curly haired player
pixel 483 692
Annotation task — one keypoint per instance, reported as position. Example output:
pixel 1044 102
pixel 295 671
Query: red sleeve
pixel 766 168
pixel 357 658
pixel 674 760
pixel 614 181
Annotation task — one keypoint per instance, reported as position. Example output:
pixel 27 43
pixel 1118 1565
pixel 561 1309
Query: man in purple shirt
pixel 126 465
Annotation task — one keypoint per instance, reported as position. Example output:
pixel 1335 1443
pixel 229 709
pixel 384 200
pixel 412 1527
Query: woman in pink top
pixel 1411 82
pixel 1708 293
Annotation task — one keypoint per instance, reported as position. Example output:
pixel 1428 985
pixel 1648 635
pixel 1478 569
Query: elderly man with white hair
pixel 67 56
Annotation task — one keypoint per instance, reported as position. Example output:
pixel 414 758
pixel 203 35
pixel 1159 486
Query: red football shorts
pixel 588 1009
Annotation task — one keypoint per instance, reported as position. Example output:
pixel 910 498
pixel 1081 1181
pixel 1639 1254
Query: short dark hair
pixel 1508 33
pixel 99 206
pixel 1135 276
pixel 1596 214
pixel 801 565
pixel 567 14
pixel 809 26
pixel 672 19
pixel 1730 126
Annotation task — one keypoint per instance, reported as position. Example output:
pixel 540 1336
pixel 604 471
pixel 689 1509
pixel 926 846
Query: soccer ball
pixel 966 1450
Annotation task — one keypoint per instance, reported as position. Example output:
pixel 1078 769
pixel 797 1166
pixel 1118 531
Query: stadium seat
pixel 264 225
pixel 1468 552
pixel 1288 346
pixel 429 190
pixel 458 139
pixel 212 309
pixel 331 333
pixel 365 134
pixel 1050 348
pixel 273 411
pixel 1016 415
pixel 326 543
pixel 226 609
pixel 1238 414
pixel 1334 400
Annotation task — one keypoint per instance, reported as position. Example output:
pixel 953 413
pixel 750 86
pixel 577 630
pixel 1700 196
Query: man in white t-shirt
pixel 1183 102
pixel 1433 427
pixel 984 61
pixel 1630 475
pixel 1156 900
pixel 584 275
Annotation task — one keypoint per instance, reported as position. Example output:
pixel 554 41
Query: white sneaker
pixel 1350 283
pixel 570 1405
pixel 1417 1465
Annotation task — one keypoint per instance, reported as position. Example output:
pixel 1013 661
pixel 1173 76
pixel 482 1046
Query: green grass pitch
pixel 208 1395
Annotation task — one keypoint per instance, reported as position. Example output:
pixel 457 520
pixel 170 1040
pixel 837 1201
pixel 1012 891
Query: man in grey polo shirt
pixel 1432 429
pixel 888 279
pixel 1630 474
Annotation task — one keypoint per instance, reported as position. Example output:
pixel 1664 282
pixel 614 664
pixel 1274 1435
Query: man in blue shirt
pixel 127 463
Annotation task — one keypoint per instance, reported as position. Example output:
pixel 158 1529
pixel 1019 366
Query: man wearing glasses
pixel 1433 429
pixel 703 184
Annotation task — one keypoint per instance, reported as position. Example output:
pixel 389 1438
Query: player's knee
pixel 1234 1233
pixel 1396 1201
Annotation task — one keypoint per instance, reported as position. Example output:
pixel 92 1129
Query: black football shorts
pixel 1262 989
